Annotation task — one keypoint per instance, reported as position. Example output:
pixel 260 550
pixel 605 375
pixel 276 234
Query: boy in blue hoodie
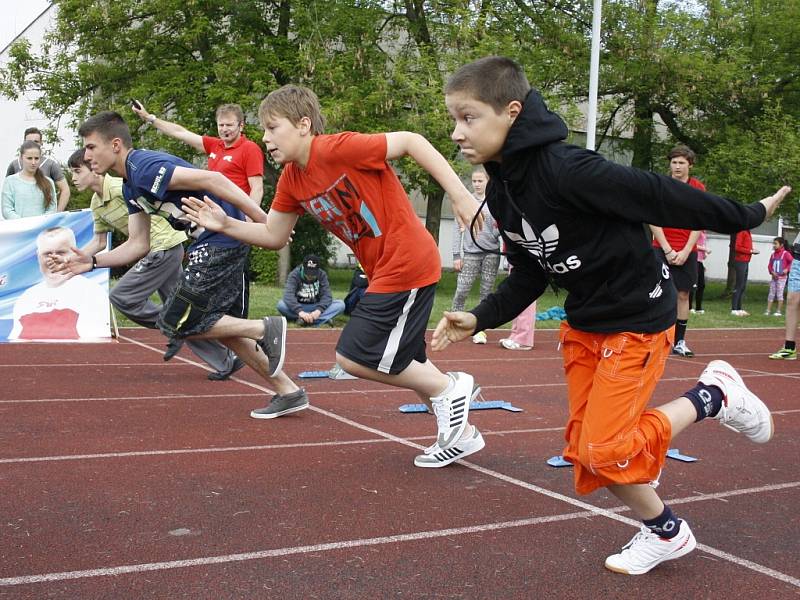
pixel 573 220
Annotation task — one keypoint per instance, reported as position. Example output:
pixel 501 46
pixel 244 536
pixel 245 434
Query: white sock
pixel 450 385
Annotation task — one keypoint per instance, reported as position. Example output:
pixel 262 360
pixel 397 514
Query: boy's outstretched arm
pixel 274 234
pixel 200 180
pixel 406 143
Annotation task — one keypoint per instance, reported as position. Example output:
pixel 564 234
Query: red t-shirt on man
pixel 677 238
pixel 355 194
pixel 242 160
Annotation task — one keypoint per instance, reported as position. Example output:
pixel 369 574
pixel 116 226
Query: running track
pixel 122 476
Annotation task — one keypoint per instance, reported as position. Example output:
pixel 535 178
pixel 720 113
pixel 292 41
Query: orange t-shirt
pixel 355 194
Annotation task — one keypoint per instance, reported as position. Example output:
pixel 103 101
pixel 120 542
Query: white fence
pixel 716 263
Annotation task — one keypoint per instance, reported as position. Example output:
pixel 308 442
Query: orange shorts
pixel 611 438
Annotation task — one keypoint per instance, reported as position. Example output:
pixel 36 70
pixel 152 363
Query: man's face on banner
pixel 57 245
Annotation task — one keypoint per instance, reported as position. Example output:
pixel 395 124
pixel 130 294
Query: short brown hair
pixel 231 109
pixel 32 130
pixel 77 160
pixel 683 151
pixel 493 80
pixel 109 125
pixel 293 102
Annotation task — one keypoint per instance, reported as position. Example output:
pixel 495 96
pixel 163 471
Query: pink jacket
pixel 780 262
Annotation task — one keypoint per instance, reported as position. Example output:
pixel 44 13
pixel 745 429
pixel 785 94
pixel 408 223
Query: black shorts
pixel 387 331
pixel 213 284
pixel 683 276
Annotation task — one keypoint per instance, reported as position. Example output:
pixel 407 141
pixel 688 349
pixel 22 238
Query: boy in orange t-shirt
pixel 346 183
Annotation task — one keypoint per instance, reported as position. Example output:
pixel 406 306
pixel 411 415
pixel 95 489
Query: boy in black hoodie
pixel 573 220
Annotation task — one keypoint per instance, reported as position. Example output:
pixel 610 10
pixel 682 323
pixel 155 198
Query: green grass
pixel 264 298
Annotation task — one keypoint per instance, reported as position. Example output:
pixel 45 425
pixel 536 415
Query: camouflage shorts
pixel 213 284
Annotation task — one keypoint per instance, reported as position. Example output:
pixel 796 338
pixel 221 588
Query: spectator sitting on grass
pixel 307 296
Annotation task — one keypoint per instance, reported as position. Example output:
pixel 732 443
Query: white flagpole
pixel 594 69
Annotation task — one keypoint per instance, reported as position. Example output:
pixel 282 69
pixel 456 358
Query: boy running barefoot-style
pixel 573 219
pixel 346 183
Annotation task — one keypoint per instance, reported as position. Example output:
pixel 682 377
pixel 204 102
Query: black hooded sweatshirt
pixel 575 220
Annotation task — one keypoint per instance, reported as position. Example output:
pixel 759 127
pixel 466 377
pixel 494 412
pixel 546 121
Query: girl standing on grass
pixel 779 264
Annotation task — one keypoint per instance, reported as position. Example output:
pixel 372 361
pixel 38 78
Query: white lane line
pixel 262 554
pixel 133 453
pixel 700 496
pixel 346 392
pixel 114 398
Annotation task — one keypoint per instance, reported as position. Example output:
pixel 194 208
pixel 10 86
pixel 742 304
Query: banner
pixel 37 304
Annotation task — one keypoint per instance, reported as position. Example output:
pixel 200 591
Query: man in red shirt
pixel 679 250
pixel 232 154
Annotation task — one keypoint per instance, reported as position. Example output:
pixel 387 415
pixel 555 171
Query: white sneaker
pixel 476 393
pixel 700 312
pixel 777 314
pixel 434 457
pixel 647 550
pixel 742 411
pixel 479 338
pixel 766 313
pixel 452 409
pixel 510 344
pixel 681 349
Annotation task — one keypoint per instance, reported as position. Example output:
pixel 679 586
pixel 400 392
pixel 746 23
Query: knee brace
pixel 184 311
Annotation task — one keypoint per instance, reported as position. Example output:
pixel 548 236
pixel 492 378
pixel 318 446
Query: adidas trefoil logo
pixel 542 247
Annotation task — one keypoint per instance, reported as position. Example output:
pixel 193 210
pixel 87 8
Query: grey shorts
pixel 213 284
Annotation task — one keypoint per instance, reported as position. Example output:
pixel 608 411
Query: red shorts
pixel 611 438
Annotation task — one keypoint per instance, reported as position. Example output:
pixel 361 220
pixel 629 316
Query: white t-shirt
pixel 77 309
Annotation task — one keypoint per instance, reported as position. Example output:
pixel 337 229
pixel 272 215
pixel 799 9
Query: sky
pixel 17 16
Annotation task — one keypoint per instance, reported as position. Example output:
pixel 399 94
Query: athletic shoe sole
pixel 274 370
pixel 257 415
pixel 683 550
pixel 779 356
pixel 442 458
pixel 724 371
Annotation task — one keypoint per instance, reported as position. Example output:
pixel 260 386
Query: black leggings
pixel 740 270
pixel 696 293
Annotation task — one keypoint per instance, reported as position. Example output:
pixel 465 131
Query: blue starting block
pixel 335 372
pixel 474 405
pixel 558 461
pixel 674 453
pixel 313 374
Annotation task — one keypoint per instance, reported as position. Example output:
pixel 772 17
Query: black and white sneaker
pixel 282 405
pixel 452 409
pixel 273 343
pixel 681 349
pixel 434 457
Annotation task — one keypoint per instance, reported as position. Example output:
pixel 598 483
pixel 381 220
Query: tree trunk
pixel 728 291
pixel 284 266
pixel 642 133
pixel 433 215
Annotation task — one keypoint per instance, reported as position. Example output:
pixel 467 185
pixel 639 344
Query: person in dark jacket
pixel 573 220
pixel 307 295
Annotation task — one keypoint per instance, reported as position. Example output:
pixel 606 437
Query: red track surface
pixel 125 477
